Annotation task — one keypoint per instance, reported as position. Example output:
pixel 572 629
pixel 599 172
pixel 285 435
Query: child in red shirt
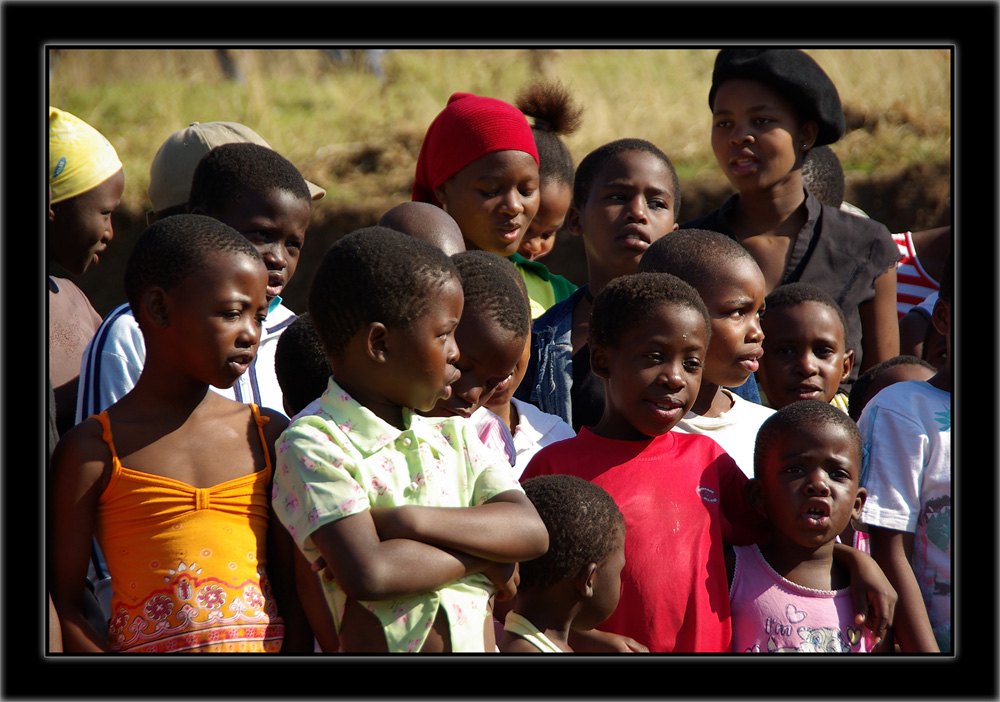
pixel 683 497
pixel 681 494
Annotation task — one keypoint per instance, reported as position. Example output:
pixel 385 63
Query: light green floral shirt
pixel 343 459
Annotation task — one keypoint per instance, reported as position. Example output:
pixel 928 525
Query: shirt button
pixel 414 485
pixel 407 441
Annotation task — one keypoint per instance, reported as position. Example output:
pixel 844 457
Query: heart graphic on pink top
pixel 794 615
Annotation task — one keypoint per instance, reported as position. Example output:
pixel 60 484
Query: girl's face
pixel 493 199
pixel 756 136
pixel 421 366
pixel 215 318
pixel 276 225
pixel 489 357
pixel 808 488
pixel 653 374
pixel 541 236
pixel 80 227
pixel 805 357
pixel 735 304
pixel 630 205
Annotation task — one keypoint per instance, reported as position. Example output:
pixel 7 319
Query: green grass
pixel 359 137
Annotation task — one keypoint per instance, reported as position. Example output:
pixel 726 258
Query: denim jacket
pixel 548 381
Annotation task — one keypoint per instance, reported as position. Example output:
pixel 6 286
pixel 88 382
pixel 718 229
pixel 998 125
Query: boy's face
pixel 805 357
pixel 493 199
pixel 421 358
pixel 808 485
pixel 735 303
pixel 756 135
pixel 653 375
pixel 215 318
pixel 489 355
pixel 276 225
pixel 630 205
pixel 541 236
pixel 80 227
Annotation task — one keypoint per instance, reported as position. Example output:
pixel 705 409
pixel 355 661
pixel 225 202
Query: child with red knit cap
pixel 479 163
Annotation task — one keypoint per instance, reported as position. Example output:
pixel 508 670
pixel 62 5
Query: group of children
pixel 455 450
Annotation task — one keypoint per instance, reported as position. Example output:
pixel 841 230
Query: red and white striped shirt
pixel 913 284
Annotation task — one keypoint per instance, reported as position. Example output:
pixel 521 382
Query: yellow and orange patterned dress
pixel 188 564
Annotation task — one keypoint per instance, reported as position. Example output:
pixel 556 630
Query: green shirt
pixel 343 459
pixel 544 287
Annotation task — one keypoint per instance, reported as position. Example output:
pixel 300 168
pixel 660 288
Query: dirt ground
pixel 914 199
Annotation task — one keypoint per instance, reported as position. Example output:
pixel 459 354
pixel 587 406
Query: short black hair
pixel 861 394
pixel 374 274
pixel 584 525
pixel 597 159
pixel 823 175
pixel 301 364
pixel 791 418
pixel 173 248
pixel 554 113
pixel 792 294
pixel 693 255
pixel 230 172
pixel 629 300
pixel 489 282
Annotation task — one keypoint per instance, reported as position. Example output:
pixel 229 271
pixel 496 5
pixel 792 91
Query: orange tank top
pixel 188 564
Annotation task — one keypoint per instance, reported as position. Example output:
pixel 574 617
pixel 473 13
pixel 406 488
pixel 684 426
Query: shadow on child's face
pixel 276 225
pixel 630 206
pixel 805 356
pixel 734 305
pixel 493 199
pixel 488 357
pixel 540 238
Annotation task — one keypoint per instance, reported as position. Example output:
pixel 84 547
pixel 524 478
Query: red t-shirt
pixel 682 497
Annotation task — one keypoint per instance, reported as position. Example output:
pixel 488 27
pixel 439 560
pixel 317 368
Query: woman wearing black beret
pixel 769 107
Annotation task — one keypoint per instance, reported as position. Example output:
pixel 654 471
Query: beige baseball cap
pixel 173 167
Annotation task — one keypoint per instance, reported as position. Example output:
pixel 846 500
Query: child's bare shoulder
pixel 83 453
pixel 275 424
pixel 85 438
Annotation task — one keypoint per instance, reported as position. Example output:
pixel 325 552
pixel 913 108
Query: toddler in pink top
pixel 790 594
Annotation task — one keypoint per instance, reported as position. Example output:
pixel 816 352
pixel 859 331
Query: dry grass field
pixel 357 133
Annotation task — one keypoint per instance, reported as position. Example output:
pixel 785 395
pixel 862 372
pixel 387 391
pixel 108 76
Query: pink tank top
pixel 773 615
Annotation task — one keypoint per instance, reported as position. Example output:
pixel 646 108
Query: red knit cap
pixel 468 128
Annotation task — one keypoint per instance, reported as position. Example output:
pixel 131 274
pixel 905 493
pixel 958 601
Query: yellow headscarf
pixel 80 158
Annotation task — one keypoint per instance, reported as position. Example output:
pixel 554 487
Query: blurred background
pixel 352 120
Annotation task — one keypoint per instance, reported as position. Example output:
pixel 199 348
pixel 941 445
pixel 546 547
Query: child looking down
pixel 577 583
pixel 417 522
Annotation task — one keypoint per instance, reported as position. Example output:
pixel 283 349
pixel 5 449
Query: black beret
pixel 795 75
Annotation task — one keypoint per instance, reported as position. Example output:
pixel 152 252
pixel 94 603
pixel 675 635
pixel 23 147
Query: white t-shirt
pixel 906 434
pixel 734 430
pixel 534 430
